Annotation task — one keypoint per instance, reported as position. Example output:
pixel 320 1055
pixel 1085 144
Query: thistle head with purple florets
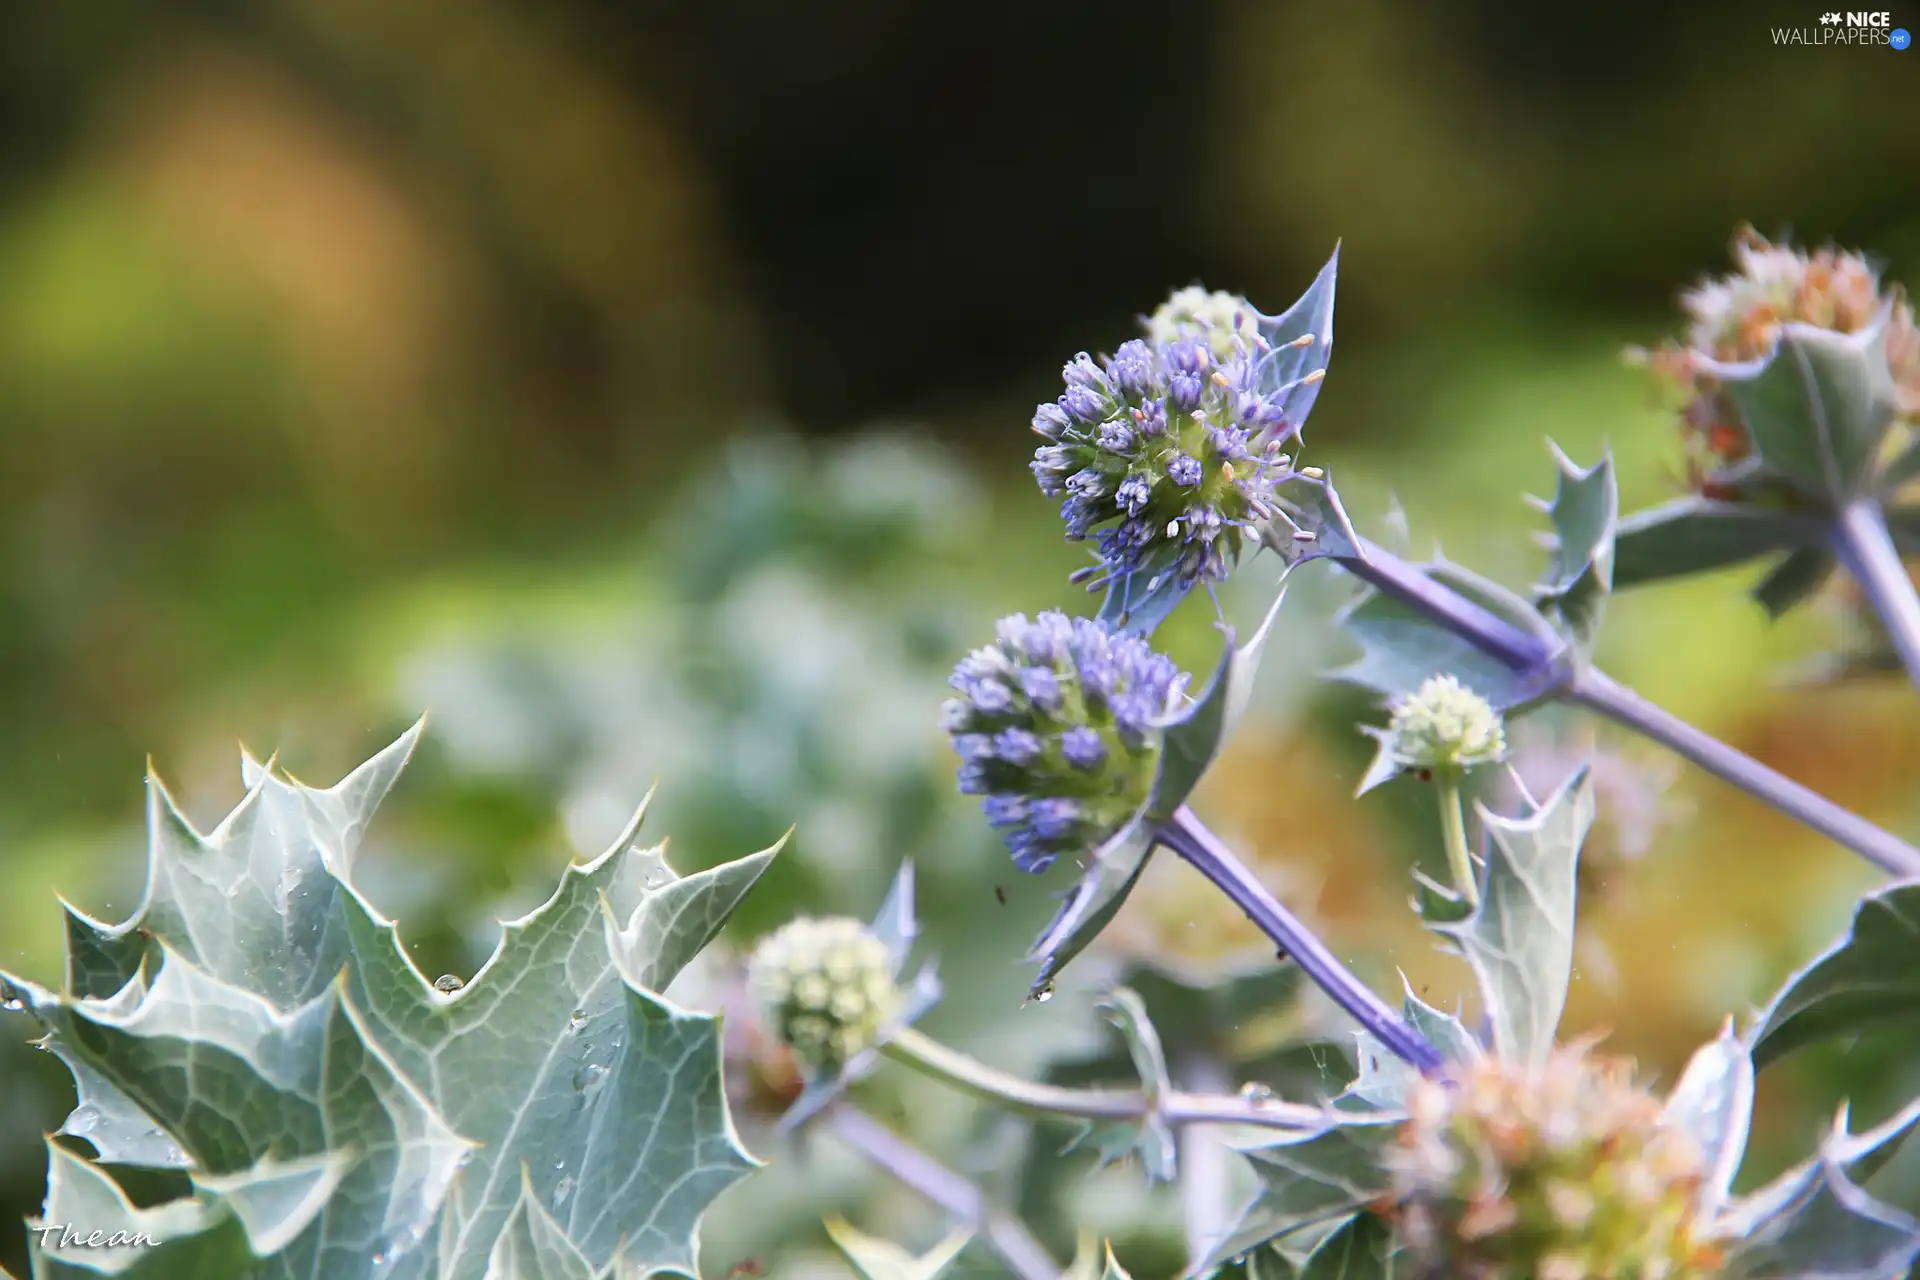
pixel 1058 726
pixel 1167 452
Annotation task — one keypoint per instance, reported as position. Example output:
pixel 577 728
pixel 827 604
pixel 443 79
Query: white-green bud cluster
pixel 825 989
pixel 1446 727
pixel 1196 311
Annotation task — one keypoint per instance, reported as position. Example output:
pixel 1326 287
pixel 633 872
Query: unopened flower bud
pixel 825 988
pixel 1214 315
pixel 1445 727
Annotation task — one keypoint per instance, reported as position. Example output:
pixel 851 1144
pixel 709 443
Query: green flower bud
pixel 1445 727
pixel 1559 1172
pixel 825 989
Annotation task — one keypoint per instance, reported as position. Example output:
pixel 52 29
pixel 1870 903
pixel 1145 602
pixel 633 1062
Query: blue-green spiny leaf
pixel 1519 941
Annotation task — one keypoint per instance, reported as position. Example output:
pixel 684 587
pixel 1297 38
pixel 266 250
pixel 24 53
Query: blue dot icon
pixel 1899 38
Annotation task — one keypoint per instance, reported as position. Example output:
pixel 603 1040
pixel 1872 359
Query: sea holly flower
pixel 1058 727
pixel 825 988
pixel 1166 451
pixel 1440 732
pixel 1443 727
pixel 1736 319
pixel 1559 1171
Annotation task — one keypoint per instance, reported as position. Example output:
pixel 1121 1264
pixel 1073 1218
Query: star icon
pixel 1830 19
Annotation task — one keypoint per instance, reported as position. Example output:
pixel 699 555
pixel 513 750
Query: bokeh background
pixel 642 390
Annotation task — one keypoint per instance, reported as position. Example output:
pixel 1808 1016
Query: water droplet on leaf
pixel 449 982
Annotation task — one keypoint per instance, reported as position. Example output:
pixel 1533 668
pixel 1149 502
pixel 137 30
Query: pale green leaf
pixel 1815 1220
pixel 1798 575
pixel 1713 1103
pixel 555 1065
pixel 1301 338
pixel 1819 406
pixel 1519 941
pixel 532 1246
pixel 1401 647
pixel 1384 1078
pixel 118 1129
pixel 1697 535
pixel 1866 980
pixel 192 1237
pixel 1151 1140
pixel 877 1259
pixel 1310 1178
pixel 1584 510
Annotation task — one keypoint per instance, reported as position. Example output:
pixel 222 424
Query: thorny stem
pixel 1864 545
pixel 962 1200
pixel 1453 830
pixel 1593 688
pixel 1026 1097
pixel 1187 836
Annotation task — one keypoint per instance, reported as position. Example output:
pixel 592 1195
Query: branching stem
pixel 1866 547
pixel 959 1197
pixel 1026 1097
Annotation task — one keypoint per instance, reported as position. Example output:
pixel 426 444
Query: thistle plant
pixel 256 1031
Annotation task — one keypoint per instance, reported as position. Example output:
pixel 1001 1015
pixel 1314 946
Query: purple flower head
pixel 1059 727
pixel 1164 451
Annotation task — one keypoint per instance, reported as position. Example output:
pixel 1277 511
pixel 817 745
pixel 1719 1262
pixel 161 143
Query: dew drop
pixel 589 1078
pixel 83 1121
pixel 449 982
pixel 561 1190
pixel 1255 1092
pixel 13 1004
pixel 1044 994
pixel 577 1020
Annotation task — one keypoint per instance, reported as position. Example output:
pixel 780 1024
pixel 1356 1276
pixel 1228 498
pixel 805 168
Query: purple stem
pixel 954 1194
pixel 1484 630
pixel 1187 836
pixel 1865 546
pixel 1594 688
pixel 1546 672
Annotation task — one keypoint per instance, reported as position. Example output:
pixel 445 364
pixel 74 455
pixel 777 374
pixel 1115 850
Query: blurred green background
pixel 642 390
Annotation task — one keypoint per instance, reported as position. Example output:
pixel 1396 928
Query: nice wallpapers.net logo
pixel 1847 30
